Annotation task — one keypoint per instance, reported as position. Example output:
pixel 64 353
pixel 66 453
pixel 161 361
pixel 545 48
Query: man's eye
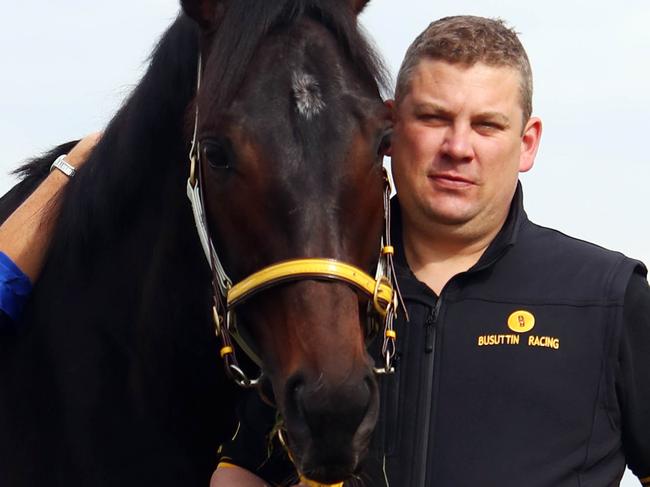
pixel 433 118
pixel 217 153
pixel 489 125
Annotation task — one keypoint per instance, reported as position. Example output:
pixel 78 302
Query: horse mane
pixel 141 145
pixel 246 22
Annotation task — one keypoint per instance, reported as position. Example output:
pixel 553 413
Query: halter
pixel 382 290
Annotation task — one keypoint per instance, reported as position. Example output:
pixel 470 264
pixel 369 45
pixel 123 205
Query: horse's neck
pixel 125 217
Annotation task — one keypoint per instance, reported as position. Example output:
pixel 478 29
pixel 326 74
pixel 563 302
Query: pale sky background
pixel 67 65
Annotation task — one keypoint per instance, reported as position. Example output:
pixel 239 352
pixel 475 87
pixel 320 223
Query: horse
pixel 113 376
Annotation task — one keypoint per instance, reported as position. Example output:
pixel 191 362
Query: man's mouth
pixel 451 180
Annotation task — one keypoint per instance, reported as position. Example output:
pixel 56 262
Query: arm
pixel 25 235
pixel 231 475
pixel 634 385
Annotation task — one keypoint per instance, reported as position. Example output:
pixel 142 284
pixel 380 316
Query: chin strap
pixel 310 483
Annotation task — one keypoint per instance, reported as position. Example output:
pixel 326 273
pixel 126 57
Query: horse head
pixel 289 133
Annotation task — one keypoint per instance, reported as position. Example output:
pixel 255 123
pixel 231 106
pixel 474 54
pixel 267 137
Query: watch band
pixel 64 166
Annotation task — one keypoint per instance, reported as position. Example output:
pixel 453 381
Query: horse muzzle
pixel 328 427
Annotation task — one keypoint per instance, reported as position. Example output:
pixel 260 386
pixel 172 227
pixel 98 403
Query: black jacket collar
pixel 506 238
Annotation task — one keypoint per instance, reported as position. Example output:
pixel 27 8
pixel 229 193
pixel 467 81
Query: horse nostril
pixel 345 405
pixel 329 423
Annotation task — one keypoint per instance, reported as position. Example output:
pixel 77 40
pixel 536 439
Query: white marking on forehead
pixel 307 94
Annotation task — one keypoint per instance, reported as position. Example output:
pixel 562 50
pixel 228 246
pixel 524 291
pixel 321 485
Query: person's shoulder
pixel 569 263
pixel 554 244
pixel 637 294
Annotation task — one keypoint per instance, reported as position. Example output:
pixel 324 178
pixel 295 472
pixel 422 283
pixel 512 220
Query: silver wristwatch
pixel 62 165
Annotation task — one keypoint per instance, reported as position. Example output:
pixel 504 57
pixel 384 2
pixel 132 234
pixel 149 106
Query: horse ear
pixel 204 12
pixel 359 5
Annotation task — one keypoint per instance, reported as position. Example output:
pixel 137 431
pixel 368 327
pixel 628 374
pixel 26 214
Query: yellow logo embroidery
pixel 521 321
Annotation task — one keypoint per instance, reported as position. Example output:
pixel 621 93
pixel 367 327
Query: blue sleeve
pixel 15 288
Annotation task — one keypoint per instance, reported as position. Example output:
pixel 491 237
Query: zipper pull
pixel 430 328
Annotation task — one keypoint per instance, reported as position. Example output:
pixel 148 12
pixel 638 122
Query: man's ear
pixel 359 5
pixel 530 143
pixel 386 148
pixel 204 12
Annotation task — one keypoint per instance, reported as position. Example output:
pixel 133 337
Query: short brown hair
pixel 467 39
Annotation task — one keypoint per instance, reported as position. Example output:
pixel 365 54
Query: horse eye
pixel 217 153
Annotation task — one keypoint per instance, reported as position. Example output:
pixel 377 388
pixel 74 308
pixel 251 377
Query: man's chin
pixel 450 213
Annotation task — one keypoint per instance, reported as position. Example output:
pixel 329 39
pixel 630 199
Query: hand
pixel 234 476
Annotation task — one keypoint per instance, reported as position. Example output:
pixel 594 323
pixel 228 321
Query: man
pixel 525 359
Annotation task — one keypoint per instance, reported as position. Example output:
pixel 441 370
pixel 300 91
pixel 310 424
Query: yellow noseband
pixel 329 269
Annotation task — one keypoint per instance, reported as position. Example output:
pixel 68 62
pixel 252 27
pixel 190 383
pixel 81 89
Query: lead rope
pixel 386 273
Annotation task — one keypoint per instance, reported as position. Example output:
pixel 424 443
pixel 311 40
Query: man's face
pixel 458 145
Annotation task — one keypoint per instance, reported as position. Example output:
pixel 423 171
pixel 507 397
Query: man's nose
pixel 457 143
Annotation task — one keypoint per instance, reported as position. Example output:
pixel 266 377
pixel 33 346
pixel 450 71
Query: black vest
pixel 508 379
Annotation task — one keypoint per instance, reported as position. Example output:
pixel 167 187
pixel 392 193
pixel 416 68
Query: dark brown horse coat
pixel 113 377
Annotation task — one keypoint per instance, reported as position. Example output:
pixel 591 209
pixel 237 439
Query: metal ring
pixel 240 377
pixel 387 368
pixel 375 297
pixel 384 371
